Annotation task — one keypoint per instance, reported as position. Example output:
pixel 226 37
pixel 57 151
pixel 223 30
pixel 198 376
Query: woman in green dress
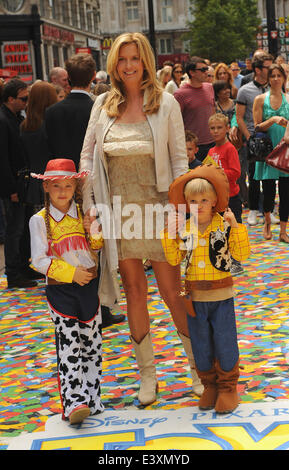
pixel 271 114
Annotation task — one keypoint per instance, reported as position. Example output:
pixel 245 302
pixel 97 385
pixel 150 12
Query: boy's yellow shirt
pixel 200 267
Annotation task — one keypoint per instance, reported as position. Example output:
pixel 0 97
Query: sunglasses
pixel 235 70
pixel 23 98
pixel 203 69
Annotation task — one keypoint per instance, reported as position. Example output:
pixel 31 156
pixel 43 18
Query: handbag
pixel 259 146
pixel 279 157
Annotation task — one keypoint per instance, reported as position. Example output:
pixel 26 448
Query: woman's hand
pixel 233 135
pixel 230 218
pixel 286 135
pixel 176 222
pixel 82 276
pixel 280 120
pixel 88 220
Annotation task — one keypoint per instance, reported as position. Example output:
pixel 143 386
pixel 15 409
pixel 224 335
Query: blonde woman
pixel 135 144
pixel 165 75
pixel 223 72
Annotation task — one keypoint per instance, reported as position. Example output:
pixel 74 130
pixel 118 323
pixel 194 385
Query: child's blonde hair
pixel 219 117
pixel 198 186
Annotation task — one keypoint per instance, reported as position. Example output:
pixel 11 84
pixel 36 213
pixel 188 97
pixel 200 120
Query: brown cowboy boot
pixel 228 398
pixel 209 396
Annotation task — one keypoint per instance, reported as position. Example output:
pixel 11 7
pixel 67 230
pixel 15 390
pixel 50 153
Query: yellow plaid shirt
pixel 200 267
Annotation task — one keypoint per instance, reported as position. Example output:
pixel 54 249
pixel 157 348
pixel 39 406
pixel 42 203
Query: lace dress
pixel 131 169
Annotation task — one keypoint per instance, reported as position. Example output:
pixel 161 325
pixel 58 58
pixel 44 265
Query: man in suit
pixel 17 214
pixel 66 122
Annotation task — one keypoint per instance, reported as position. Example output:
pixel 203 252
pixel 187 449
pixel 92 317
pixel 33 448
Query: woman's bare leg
pixel 135 286
pixel 169 283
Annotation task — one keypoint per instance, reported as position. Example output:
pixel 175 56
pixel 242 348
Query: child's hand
pixel 82 276
pixel 230 218
pixel 87 222
pixel 176 222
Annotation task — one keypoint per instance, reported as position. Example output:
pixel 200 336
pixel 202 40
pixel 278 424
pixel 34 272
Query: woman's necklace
pixel 275 100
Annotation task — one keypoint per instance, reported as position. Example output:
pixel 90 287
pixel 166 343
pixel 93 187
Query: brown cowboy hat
pixel 215 175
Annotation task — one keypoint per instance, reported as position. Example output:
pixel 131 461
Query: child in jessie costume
pixel 209 247
pixel 67 256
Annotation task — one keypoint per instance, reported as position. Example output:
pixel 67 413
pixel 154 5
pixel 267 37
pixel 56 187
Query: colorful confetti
pixel 28 384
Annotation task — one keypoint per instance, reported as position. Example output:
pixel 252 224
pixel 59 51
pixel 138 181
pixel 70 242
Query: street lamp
pixel 271 27
pixel 152 26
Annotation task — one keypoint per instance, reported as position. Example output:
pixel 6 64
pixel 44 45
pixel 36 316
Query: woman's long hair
pixel 221 65
pixel 117 94
pixel 41 96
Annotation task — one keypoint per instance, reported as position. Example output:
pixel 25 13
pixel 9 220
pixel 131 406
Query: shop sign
pixel 16 56
pixel 106 43
pixel 51 32
pixel 94 43
pixel 82 50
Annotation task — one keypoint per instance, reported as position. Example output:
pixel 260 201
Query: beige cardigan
pixel 170 162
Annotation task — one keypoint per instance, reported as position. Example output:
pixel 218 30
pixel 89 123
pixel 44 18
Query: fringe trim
pixel 72 243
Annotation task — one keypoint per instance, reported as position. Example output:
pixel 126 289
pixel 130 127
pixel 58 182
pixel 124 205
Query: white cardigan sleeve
pixel 177 141
pixel 88 152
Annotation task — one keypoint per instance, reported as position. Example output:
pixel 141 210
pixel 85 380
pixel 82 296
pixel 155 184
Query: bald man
pixel 59 76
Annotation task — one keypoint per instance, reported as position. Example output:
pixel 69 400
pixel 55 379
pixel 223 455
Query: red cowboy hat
pixel 60 168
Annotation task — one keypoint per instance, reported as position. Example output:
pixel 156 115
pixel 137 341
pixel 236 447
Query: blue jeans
pixel 213 334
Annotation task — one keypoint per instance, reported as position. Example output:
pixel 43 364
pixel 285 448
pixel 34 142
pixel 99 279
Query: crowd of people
pixel 84 140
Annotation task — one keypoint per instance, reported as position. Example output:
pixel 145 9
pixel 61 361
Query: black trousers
pixel 17 238
pixel 269 191
pixel 235 205
pixel 254 188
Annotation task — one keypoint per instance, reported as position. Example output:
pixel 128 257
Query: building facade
pixel 67 26
pixel 170 19
pixel 281 31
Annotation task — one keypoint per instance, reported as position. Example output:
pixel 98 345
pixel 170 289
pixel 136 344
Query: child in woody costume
pixel 208 282
pixel 62 251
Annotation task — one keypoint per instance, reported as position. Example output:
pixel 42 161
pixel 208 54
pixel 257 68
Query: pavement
pixel 30 410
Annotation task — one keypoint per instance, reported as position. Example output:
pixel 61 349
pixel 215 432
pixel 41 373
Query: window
pixel 132 11
pixel 65 53
pixel 55 56
pixel 74 13
pixel 82 16
pixel 46 58
pixel 65 15
pixel 166 46
pixel 42 8
pixel 167 11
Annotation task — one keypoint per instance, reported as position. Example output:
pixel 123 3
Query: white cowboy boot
pixel 198 388
pixel 145 360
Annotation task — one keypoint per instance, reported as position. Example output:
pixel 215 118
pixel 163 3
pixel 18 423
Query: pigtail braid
pixel 47 221
pixel 79 201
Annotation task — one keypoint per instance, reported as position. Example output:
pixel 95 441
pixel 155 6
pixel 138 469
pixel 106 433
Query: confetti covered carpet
pixel 28 384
